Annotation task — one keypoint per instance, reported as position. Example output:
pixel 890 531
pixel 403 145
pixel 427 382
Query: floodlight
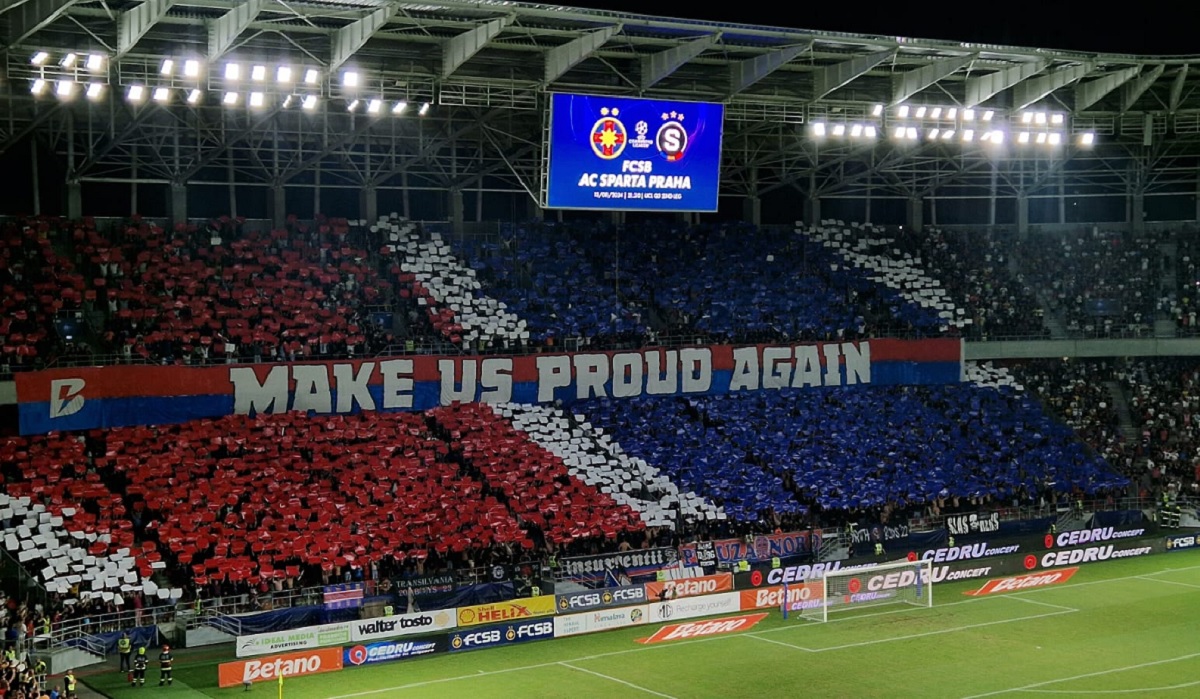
pixel 1023 137
pixel 997 137
pixel 94 90
pixel 936 113
pixel 64 88
pixel 839 129
pixel 191 68
pixel 309 102
pixel 38 86
pixel 287 101
pixel 1040 118
pixel 1055 138
pixel 283 75
pixel 1041 138
pixel 933 134
pixel 349 79
pixel 95 62
pixel 1087 139
pixel 194 96
pixel 162 94
pixel 256 99
pixel 402 105
pixel 920 112
pixel 911 133
pixel 374 106
pixel 869 132
pixel 903 111
pixel 1026 117
pixel 877 110
pixel 230 98
pixel 233 71
pixel 968 115
pixel 968 135
pixel 856 131
pixel 168 67
pixel 68 60
pixel 947 134
pixel 424 109
pixel 1056 118
pixel 136 93
pixel 311 76
pixel 818 128
pixel 352 106
pixel 258 73
pixel 987 116
pixel 952 112
pixel 898 132
pixel 39 58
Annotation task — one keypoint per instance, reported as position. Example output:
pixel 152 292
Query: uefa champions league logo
pixel 641 129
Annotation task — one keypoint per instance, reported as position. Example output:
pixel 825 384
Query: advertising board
pixel 293 639
pixel 269 669
pixel 489 636
pixel 511 610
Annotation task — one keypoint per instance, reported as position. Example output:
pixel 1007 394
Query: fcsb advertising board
pixel 633 155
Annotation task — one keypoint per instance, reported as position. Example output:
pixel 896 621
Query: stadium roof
pixel 498 59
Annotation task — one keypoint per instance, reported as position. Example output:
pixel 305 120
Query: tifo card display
pixel 709 627
pixel 633 154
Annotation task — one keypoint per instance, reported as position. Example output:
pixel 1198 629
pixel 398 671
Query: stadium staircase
pixel 1050 317
pixel 1121 405
pixel 1164 325
pixel 834 547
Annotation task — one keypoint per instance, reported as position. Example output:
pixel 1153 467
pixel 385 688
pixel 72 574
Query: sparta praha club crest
pixel 609 135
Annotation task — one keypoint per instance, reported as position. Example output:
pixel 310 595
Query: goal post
pixel 898 582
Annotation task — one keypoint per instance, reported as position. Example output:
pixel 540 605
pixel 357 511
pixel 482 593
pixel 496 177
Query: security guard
pixel 878 548
pixel 164 666
pixel 69 680
pixel 389 610
pixel 39 672
pixel 950 541
pixel 139 669
pixel 10 655
pixel 125 650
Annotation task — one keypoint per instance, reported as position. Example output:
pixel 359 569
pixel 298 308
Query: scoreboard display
pixel 629 154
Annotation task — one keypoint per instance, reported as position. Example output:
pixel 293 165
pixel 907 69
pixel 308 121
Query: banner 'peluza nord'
pixel 81 398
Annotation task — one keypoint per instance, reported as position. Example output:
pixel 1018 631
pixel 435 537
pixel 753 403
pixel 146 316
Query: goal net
pixel 898 582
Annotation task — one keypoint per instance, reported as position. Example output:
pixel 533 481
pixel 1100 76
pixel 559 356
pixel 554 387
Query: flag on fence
pixel 344 596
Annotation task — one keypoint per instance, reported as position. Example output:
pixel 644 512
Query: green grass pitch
pixel 1124 628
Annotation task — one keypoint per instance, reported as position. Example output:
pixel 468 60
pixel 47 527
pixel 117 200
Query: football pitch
pixel 1123 628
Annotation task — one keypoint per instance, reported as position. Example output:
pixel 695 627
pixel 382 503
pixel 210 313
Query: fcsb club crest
pixel 672 138
pixel 608 134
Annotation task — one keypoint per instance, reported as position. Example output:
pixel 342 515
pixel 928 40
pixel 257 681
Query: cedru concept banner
pixel 119 396
pixel 633 154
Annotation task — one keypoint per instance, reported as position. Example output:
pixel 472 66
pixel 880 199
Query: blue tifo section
pixel 797 450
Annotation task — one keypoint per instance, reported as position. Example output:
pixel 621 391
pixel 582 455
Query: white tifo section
pixel 898 582
pixel 868 248
pixel 988 376
pixel 594 458
pixel 450 283
pixel 41 541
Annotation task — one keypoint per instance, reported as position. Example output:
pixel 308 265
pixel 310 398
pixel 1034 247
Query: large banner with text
pixel 117 396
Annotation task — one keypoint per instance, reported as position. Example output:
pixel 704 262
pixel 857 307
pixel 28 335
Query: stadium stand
pixel 37 282
pixel 1102 283
pixel 200 295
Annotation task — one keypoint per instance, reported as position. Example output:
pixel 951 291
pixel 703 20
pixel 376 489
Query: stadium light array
pixel 38 86
pixel 230 99
pixel 68 61
pixel 94 90
pixel 258 73
pixel 194 96
pixel 877 110
pixel 309 102
pixel 256 99
pixel 1087 138
pixel 311 77
pixel 168 67
pixel 350 79
pixel 95 62
pixel 191 68
pixel 283 75
pixel 820 129
pixel 39 58
pixel 399 107
pixel 233 71
pixel 162 95
pixel 373 106
pixel 352 106
pixel 424 109
pixel 136 93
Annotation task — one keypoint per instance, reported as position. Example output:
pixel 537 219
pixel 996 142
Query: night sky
pixel 1154 28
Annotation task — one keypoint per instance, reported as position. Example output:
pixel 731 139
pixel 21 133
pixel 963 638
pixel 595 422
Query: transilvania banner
pixel 117 396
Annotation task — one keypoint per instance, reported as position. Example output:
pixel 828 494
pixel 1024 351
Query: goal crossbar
pixel 897 582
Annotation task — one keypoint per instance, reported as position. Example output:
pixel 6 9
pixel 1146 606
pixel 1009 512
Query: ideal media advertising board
pixel 633 154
